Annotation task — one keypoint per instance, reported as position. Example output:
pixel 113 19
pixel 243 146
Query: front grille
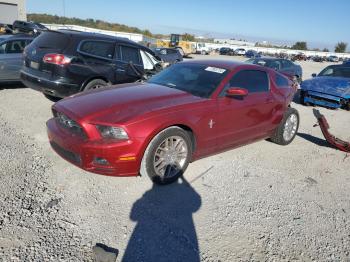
pixel 74 158
pixel 68 123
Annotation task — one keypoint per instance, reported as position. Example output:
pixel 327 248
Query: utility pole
pixel 64 8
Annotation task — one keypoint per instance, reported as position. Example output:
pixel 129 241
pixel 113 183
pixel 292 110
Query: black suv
pixel 65 62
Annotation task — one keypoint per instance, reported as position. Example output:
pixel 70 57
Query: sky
pixel 320 23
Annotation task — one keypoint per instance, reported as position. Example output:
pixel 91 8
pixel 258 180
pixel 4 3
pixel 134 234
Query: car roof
pixel 346 64
pixel 230 65
pixel 88 35
pixel 92 35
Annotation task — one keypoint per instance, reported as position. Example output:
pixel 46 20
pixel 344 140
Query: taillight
pixel 56 59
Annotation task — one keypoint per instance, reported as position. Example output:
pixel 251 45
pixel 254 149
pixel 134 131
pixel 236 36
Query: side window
pixel 252 80
pixel 13 47
pixel 172 51
pixel 130 54
pixel 98 48
pixel 281 81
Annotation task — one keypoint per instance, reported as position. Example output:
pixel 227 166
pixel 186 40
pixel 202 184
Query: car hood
pixel 121 103
pixel 337 86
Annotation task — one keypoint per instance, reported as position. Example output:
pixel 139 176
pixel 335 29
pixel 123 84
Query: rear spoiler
pixel 331 139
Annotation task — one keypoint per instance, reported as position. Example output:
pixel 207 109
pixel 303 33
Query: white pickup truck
pixel 201 48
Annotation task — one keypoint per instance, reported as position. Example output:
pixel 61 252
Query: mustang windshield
pixel 336 71
pixel 199 80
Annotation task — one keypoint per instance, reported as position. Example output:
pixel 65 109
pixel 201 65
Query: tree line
pixel 98 24
pixel 339 47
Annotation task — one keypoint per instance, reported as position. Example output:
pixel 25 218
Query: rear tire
pixel 167 156
pixel 95 84
pixel 287 129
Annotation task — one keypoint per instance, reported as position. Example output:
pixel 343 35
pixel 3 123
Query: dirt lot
pixel 260 202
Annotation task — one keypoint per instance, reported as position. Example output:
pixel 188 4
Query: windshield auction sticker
pixel 215 69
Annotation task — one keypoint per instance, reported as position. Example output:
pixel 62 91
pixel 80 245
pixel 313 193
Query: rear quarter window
pixel 130 54
pixel 52 40
pixel 102 49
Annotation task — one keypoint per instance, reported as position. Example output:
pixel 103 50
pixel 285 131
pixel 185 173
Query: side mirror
pixel 236 92
pixel 314 75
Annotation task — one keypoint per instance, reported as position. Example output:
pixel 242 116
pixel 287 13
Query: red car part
pixel 336 142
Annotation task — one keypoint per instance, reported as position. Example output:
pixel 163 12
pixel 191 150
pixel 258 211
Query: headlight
pixel 112 132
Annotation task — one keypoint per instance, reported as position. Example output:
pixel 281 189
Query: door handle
pixel 120 70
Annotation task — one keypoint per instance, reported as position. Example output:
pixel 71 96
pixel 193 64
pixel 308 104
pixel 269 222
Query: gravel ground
pixel 260 202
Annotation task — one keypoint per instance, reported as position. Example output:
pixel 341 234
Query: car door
pixel 129 67
pixel 11 59
pixel 242 119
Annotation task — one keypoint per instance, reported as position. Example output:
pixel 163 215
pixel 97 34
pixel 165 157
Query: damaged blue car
pixel 330 88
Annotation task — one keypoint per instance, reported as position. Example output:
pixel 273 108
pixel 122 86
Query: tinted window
pixel 98 48
pixel 130 54
pixel 281 81
pixel 336 71
pixel 51 40
pixel 13 47
pixel 196 79
pixel 252 80
pixel 171 51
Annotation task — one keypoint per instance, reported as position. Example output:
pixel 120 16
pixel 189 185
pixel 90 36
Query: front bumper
pixel 323 99
pixel 123 157
pixel 41 83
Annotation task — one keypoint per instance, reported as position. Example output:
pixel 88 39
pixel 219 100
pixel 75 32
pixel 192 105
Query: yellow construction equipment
pixel 176 41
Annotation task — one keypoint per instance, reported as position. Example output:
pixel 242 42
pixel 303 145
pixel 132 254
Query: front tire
pixel 167 156
pixel 288 128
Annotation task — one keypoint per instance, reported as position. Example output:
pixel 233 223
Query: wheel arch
pixel 183 126
pixel 94 78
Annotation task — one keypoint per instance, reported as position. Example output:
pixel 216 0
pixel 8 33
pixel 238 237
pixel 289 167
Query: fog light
pixel 101 161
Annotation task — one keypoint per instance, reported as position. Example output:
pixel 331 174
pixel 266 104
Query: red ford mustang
pixel 186 112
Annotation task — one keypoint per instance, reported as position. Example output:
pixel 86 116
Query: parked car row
pixel 239 52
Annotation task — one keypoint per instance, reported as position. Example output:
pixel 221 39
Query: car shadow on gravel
pixel 14 85
pixel 315 140
pixel 165 229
